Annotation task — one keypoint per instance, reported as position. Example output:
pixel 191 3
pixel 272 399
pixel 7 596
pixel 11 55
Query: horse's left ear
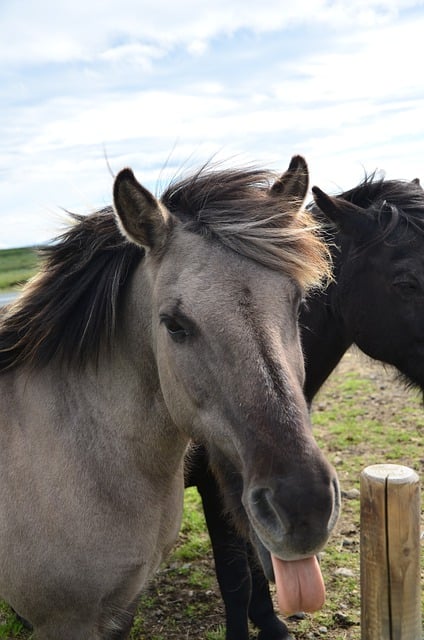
pixel 141 217
pixel 294 182
pixel 348 217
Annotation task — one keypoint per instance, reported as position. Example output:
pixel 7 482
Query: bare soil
pixel 175 607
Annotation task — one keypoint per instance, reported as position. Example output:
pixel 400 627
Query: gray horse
pixel 162 321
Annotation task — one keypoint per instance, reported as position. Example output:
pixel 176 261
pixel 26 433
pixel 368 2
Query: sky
pixel 87 88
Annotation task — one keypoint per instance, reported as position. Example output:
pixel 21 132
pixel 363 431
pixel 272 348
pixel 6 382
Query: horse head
pixel 226 277
pixel 380 281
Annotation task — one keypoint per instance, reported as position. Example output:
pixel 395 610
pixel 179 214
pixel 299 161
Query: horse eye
pixel 177 332
pixel 407 286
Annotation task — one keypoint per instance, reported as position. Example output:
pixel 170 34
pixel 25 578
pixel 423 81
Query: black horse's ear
pixel 294 182
pixel 140 216
pixel 348 217
pixel 416 181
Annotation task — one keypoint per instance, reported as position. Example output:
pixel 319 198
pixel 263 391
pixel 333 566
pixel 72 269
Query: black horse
pixel 375 302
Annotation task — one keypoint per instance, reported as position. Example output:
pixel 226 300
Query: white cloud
pixel 55 31
pixel 197 47
pixel 337 81
pixel 137 53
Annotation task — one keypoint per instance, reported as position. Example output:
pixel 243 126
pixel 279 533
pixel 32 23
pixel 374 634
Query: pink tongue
pixel 299 583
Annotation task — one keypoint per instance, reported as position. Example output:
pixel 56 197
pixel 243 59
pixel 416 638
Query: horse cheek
pixel 181 389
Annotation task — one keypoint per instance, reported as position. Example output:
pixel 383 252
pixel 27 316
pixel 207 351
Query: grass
pixel 193 537
pixel 217 634
pixel 16 266
pixel 10 627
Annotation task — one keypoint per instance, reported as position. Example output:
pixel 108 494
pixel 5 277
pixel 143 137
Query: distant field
pixel 16 266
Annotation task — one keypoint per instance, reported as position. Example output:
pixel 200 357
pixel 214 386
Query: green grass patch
pixel 194 540
pixel 17 266
pixel 216 634
pixel 10 627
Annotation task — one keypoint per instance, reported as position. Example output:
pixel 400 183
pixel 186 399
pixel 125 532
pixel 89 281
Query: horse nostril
pixel 260 500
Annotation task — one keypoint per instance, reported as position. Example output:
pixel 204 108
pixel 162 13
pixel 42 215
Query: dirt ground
pixel 177 610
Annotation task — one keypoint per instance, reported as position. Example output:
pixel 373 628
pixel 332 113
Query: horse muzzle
pixel 292 524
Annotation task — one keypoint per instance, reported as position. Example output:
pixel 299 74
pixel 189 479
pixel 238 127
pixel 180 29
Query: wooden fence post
pixel 390 553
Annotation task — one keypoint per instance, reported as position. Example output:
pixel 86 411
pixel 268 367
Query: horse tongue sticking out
pixel 299 583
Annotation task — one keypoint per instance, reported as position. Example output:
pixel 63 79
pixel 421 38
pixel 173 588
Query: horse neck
pixel 111 414
pixel 325 337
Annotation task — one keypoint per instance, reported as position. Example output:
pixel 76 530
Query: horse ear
pixel 141 217
pixel 348 217
pixel 294 182
pixel 416 181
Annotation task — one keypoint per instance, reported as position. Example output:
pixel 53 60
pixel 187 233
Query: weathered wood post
pixel 390 553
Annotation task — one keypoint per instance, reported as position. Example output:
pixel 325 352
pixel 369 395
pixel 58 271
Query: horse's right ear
pixel 140 216
pixel 348 217
pixel 294 182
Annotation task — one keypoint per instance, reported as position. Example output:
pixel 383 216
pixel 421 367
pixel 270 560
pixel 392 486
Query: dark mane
pixel 71 308
pixel 392 202
pixel 71 305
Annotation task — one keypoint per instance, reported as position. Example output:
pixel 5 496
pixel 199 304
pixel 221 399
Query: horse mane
pixel 392 202
pixel 71 307
pixel 237 207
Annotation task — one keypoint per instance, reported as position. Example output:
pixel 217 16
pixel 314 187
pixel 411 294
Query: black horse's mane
pixel 392 202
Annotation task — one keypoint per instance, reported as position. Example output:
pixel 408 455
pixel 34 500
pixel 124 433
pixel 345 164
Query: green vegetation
pixel 10 627
pixel 217 634
pixel 17 266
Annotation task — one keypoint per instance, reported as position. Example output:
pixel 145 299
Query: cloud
pixel 155 84
pixel 76 31
pixel 138 54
